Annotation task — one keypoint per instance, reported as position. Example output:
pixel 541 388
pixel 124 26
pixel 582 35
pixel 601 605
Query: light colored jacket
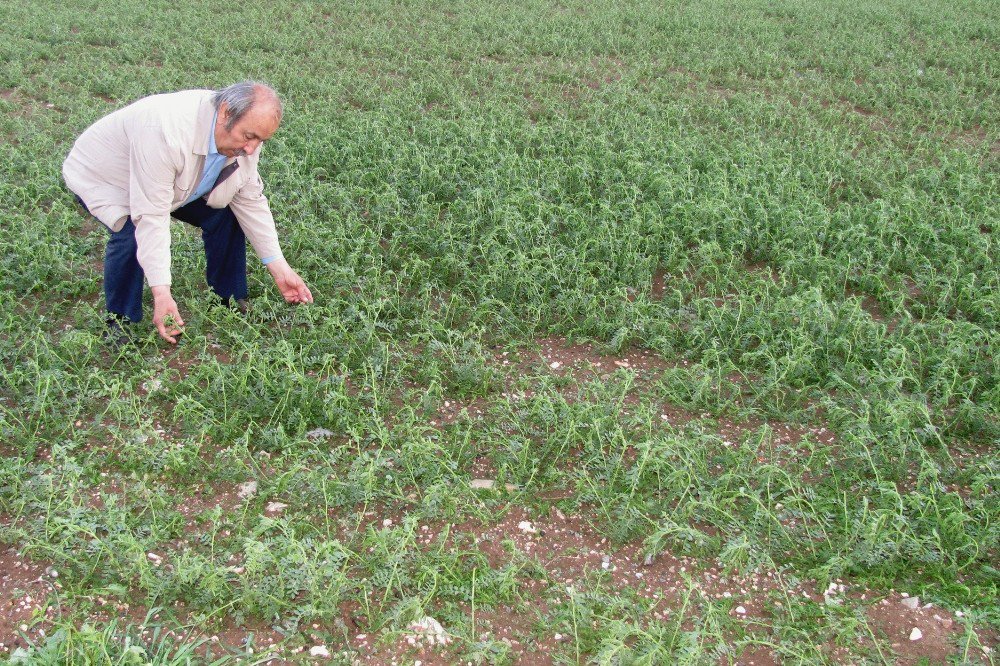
pixel 146 159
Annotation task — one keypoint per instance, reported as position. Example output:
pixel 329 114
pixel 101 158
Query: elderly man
pixel 191 155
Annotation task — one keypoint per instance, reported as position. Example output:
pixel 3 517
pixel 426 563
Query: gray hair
pixel 240 98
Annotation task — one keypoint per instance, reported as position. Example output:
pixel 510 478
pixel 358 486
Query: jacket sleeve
pixel 152 171
pixel 254 216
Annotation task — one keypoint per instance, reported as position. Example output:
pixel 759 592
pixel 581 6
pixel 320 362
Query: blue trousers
pixel 225 259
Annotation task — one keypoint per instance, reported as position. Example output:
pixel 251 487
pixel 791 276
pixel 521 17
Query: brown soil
pixel 25 586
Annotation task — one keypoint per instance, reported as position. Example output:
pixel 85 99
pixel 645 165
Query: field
pixel 644 333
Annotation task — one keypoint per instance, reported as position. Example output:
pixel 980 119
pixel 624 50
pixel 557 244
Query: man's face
pixel 254 128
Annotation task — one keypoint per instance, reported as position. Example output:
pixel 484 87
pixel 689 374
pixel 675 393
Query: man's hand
pixel 291 286
pixel 168 321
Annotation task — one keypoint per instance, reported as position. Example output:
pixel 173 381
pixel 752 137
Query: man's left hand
pixel 291 286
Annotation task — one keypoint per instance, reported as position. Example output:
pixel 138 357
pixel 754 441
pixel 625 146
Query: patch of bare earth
pixel 214 637
pixel 583 360
pixel 916 633
pixel 25 586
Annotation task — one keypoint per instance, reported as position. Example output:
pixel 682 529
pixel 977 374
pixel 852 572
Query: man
pixel 191 155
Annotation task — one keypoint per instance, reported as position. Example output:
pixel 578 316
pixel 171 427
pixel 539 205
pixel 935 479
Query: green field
pixel 709 290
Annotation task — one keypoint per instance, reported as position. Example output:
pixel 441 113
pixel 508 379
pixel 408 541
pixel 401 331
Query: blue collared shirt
pixel 214 162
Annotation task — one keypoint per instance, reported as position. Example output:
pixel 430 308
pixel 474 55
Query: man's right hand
pixel 168 321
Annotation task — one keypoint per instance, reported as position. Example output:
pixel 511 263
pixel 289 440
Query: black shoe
pixel 242 306
pixel 117 331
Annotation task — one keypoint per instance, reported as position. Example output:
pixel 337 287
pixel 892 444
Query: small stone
pixel 911 602
pixel 555 365
pixel 430 630
pixel 482 484
pixel 740 610
pixel 945 622
pixel 387 522
pixel 275 507
pixel 319 651
pixel 526 527
pixel 319 433
pixel 916 634
pixel 648 560
pixel 248 489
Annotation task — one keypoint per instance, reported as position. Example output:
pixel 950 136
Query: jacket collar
pixel 204 125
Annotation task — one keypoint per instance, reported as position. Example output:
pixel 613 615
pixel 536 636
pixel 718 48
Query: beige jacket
pixel 146 159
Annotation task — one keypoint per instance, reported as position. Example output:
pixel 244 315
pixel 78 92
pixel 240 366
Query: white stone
pixel 482 484
pixel 526 527
pixel 430 630
pixel 916 634
pixel 555 365
pixel 740 610
pixel 319 433
pixel 911 602
pixel 275 507
pixel 248 489
pixel 319 651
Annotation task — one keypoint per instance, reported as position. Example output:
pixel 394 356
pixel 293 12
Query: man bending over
pixel 191 155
